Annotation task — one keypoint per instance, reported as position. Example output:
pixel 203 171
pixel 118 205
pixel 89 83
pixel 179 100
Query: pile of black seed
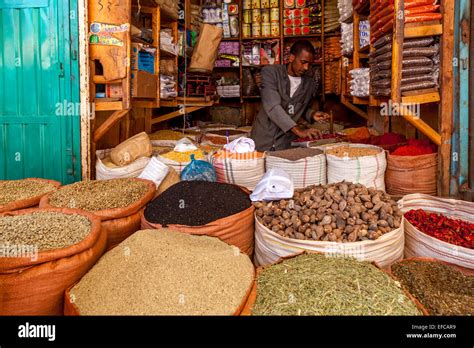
pixel 196 203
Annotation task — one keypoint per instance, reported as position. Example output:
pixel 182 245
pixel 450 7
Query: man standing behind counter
pixel 286 93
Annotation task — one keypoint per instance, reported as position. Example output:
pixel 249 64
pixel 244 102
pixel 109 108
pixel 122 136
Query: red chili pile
pixel 457 232
pixel 388 139
pixel 415 147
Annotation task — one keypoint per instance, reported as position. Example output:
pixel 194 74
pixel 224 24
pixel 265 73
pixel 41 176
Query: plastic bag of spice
pixel 419 244
pixel 198 171
pixel 411 52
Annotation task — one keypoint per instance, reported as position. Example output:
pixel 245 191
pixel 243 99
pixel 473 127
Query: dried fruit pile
pixel 43 230
pixel 99 195
pixel 160 272
pixel 342 212
pixel 314 284
pixel 15 190
pixel 442 289
pixel 453 231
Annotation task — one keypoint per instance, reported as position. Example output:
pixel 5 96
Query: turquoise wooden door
pixel 39 90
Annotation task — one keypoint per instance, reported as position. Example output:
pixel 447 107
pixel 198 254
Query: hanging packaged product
pixel 234 26
pixel 256 4
pixel 300 3
pixel 233 9
pixel 288 31
pixel 289 3
pixel 265 3
pixel 265 16
pixel 297 31
pixel 247 4
pixel 266 29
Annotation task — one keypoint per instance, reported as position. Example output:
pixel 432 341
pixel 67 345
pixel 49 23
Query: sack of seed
pixel 42 253
pixel 26 193
pixel 117 202
pixel 204 208
pixel 161 272
pixel 314 284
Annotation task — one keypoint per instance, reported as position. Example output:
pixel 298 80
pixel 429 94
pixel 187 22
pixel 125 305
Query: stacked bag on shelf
pixel 420 60
pixel 345 9
pixel 331 16
pixel 359 85
pixel 332 73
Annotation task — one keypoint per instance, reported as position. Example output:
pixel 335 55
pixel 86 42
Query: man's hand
pixel 320 116
pixel 311 133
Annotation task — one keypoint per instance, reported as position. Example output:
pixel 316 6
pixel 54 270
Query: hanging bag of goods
pixel 163 272
pixel 306 166
pixel 335 219
pixel 116 202
pixel 360 164
pixel 204 208
pixel 45 251
pixel 411 174
pixel 26 193
pixel 243 169
pixel 105 169
pixel 439 228
pixel 314 284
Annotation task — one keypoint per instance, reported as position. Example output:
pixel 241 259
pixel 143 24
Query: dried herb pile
pixel 453 231
pixel 441 288
pixel 313 284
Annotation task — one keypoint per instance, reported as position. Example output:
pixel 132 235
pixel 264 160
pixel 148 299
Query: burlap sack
pixel 36 287
pixel 411 174
pixel 119 223
pixel 27 203
pixel 206 49
pixel 131 149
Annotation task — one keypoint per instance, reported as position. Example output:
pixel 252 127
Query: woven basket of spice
pixel 44 251
pixel 26 193
pixel 427 279
pixel 116 202
pixel 311 283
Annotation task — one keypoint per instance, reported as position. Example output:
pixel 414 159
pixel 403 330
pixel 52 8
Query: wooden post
pixel 397 54
pixel 446 108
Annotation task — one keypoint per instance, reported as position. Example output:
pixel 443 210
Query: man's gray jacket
pixel 279 112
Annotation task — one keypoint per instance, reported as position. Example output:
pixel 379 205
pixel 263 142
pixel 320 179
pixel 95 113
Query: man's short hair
pixel 302 45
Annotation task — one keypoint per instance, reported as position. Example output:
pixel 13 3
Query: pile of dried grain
pixel 99 195
pixel 44 230
pixel 15 190
pixel 160 272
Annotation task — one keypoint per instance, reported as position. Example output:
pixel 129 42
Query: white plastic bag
pixel 240 145
pixel 275 184
pixel 155 171
pixel 185 145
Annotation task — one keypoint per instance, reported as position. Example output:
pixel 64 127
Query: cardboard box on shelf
pixel 141 59
pixel 144 84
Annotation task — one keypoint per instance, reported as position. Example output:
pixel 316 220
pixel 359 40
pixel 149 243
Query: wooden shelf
pixel 166 54
pixel 360 100
pixel 230 39
pixel 422 29
pixel 301 36
pixel 260 38
pixel 106 104
pixel 421 98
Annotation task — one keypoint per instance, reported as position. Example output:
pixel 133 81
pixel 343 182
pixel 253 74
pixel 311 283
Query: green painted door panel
pixel 38 82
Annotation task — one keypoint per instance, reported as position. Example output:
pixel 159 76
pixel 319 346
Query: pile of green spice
pixel 15 190
pixel 441 288
pixel 97 195
pixel 161 272
pixel 43 230
pixel 315 284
